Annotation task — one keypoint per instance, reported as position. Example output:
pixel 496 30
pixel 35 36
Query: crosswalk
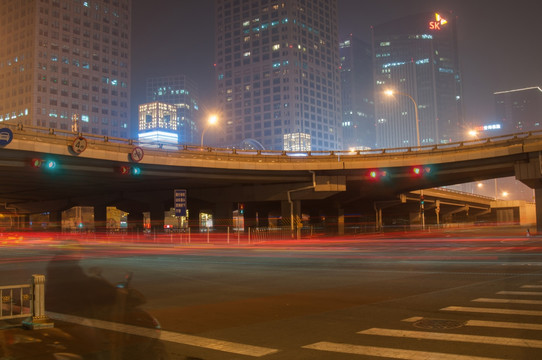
pixel 513 302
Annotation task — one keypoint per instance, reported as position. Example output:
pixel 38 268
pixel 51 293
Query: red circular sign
pixel 79 144
pixel 137 154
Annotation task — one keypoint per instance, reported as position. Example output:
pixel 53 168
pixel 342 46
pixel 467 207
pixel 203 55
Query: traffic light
pixel 130 170
pixel 45 164
pixel 241 208
pixel 377 174
pixel 421 170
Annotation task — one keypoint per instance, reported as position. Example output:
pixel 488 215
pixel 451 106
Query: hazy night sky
pixel 500 43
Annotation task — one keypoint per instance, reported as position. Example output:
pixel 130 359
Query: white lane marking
pixel 504 324
pixel 493 310
pixel 495 324
pixel 454 337
pixel 534 293
pixel 389 352
pixel 509 301
pixel 531 286
pixel 192 340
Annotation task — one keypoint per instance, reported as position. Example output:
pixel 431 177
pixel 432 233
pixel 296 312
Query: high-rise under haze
pixel 357 93
pixel 417 58
pixel 519 110
pixel 277 73
pixel 62 60
pixel 178 90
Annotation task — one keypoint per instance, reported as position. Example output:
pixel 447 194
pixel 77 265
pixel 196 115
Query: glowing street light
pixel 391 93
pixel 212 120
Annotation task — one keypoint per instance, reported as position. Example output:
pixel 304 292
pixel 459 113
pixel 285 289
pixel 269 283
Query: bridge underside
pixel 329 183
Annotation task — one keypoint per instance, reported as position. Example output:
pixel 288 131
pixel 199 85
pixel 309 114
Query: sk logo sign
pixel 437 23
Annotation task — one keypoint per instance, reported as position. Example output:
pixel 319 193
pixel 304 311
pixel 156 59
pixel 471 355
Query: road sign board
pixel 137 154
pixel 180 202
pixel 79 144
pixel 6 135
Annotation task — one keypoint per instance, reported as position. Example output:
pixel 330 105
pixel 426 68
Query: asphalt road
pixel 412 296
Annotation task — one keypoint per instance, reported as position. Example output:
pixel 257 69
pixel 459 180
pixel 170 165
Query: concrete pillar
pixel 290 218
pixel 530 173
pixel 538 204
pixel 100 219
pixel 340 221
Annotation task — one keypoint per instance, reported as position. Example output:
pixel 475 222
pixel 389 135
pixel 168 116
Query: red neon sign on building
pixel 437 23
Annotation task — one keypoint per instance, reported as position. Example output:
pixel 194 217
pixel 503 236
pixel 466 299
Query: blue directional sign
pixel 6 135
pixel 180 202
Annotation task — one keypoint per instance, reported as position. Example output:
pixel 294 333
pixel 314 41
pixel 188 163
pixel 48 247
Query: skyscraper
pixel 519 110
pixel 277 68
pixel 62 59
pixel 181 91
pixel 417 58
pixel 357 93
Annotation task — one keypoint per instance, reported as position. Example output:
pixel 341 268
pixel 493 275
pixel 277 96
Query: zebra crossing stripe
pixel 494 324
pixel 531 286
pixel 534 293
pixel 493 340
pixel 504 324
pixel 186 339
pixel 493 310
pixel 389 352
pixel 509 301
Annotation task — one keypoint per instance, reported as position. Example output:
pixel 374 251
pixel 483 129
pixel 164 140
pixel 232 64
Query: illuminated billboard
pixel 437 22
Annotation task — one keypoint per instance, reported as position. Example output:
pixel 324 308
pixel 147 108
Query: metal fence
pixel 16 301
pixel 26 301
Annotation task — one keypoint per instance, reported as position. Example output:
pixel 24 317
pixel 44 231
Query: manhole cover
pixel 441 324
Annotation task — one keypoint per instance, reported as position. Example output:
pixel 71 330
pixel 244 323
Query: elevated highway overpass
pixel 220 178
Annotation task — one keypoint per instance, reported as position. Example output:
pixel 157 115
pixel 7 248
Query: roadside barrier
pixel 26 301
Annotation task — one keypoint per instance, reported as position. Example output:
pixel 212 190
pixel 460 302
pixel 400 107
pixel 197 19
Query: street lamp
pixel 213 119
pixel 391 93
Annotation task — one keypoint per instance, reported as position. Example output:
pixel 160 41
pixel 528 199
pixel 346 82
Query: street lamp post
pixel 213 119
pixel 391 93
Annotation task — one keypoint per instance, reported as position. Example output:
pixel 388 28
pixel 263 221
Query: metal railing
pixel 16 301
pixel 26 301
pixel 171 149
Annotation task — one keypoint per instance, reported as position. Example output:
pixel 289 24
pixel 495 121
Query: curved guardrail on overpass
pixel 209 157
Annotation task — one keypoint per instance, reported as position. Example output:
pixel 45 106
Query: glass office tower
pixel 417 58
pixel 357 94
pixel 277 72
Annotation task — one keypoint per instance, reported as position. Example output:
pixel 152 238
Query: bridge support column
pixel 530 173
pixel 291 215
pixel 340 221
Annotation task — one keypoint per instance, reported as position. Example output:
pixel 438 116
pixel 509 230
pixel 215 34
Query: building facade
pixel 158 123
pixel 518 110
pixel 62 60
pixel 277 71
pixel 181 91
pixel 416 57
pixel 357 94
